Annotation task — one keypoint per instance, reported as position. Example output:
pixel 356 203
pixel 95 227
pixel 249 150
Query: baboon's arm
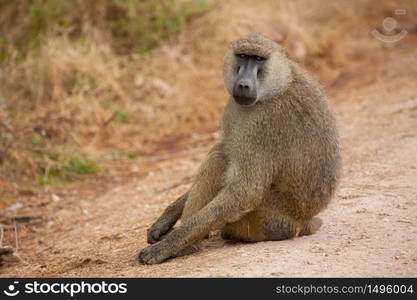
pixel 208 175
pixel 243 194
pixel 208 181
pixel 168 219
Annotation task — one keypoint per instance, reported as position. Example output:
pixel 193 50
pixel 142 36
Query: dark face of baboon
pixel 250 70
pixel 246 86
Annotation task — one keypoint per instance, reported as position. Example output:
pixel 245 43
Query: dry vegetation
pixel 72 81
pixel 87 85
pixel 75 77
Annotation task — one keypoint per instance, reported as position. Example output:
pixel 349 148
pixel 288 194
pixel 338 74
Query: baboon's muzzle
pixel 244 89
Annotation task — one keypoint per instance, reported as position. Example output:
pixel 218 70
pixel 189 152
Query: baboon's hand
pixel 155 254
pixel 157 231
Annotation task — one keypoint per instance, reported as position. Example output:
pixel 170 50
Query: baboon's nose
pixel 244 85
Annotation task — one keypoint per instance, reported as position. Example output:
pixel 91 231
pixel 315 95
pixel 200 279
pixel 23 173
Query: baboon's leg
pixel 207 183
pixel 248 229
pixel 283 229
pixel 255 228
pixel 280 229
pixel 167 220
pixel 277 218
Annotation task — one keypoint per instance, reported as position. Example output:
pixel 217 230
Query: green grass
pixel 121 116
pixel 80 165
pixel 54 177
pixel 56 167
pixel 132 156
pixel 37 141
pixel 117 155
pixel 106 104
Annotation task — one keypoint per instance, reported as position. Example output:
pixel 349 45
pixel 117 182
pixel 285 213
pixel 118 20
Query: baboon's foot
pixel 157 232
pixel 154 254
pixel 272 230
pixel 312 226
pixel 226 235
pixel 160 252
pixel 278 230
pixel 236 234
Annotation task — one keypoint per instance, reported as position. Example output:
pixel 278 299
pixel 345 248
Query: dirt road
pixel 93 228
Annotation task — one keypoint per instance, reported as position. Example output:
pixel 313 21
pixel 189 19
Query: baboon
pixel 275 167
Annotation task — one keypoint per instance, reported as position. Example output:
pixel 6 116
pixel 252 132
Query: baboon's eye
pixel 242 55
pixel 258 58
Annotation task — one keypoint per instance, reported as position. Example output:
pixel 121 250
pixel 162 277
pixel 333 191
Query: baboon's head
pixel 255 69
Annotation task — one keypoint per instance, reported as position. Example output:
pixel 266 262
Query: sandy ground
pixel 93 228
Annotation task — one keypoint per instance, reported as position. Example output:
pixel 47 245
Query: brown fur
pixel 275 167
pixel 254 44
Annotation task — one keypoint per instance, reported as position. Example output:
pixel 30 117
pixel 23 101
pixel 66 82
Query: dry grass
pixel 87 96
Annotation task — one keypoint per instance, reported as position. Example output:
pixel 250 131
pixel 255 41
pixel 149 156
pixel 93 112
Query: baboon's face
pixel 251 78
pixel 248 70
